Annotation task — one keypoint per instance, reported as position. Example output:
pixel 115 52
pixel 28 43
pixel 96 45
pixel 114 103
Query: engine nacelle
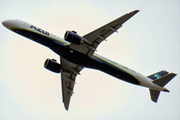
pixel 73 37
pixel 52 65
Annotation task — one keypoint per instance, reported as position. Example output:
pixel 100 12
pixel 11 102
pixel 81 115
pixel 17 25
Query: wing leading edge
pixel 94 38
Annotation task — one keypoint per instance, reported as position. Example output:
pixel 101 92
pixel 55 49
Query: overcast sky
pixel 147 43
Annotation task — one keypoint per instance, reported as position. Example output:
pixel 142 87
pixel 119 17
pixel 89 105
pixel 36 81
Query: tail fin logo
pixel 157 76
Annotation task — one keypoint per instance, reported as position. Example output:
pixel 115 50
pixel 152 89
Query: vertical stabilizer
pixel 158 75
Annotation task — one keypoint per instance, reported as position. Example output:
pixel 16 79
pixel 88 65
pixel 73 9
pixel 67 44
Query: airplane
pixel 77 52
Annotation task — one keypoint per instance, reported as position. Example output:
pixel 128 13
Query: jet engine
pixel 73 37
pixel 52 65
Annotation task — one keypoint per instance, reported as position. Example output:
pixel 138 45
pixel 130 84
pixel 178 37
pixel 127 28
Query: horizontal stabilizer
pixel 154 95
pixel 164 80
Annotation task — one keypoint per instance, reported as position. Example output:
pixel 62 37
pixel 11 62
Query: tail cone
pixel 166 90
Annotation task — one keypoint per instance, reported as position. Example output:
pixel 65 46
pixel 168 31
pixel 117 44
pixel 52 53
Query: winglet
pixel 134 12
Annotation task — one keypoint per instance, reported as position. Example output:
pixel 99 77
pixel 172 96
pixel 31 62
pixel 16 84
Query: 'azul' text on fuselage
pixel 39 30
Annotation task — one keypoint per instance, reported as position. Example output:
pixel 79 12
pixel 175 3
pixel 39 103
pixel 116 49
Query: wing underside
pixel 68 76
pixel 88 47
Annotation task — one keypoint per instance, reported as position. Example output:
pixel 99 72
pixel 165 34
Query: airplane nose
pixel 6 24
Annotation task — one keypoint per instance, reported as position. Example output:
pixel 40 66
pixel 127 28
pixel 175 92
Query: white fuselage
pixel 143 80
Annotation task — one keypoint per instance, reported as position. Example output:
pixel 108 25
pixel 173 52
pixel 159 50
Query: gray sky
pixel 147 43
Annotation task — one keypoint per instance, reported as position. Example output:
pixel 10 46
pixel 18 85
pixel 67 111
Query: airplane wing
pixel 94 38
pixel 91 42
pixel 68 76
